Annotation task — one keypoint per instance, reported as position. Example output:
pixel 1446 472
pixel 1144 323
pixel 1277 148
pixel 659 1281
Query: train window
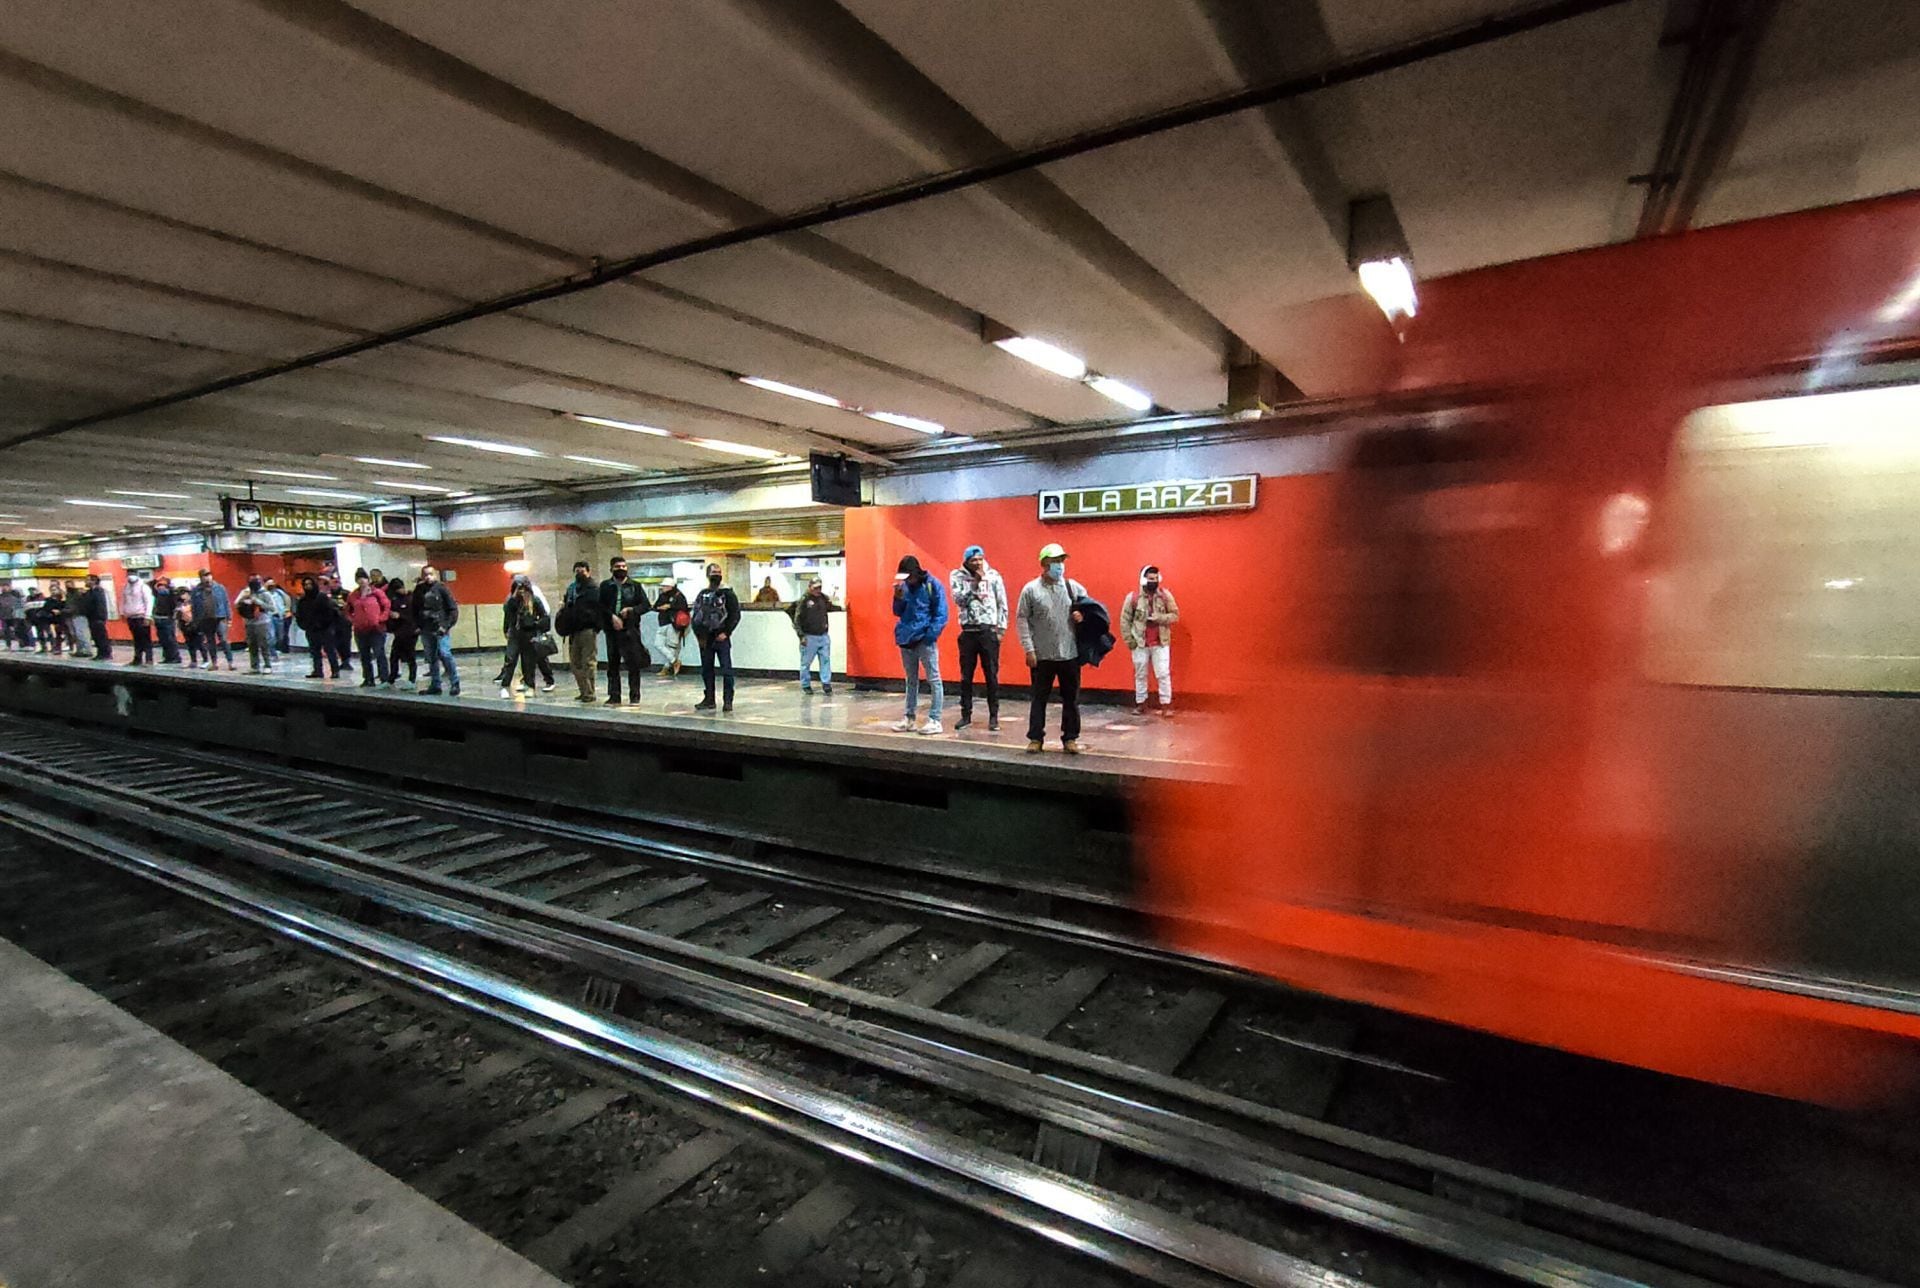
pixel 1785 546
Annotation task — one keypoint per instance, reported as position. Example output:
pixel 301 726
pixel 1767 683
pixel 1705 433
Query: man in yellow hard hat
pixel 1046 621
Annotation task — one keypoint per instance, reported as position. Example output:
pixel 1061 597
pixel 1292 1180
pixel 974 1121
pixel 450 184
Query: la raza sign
pixel 266 516
pixel 1146 500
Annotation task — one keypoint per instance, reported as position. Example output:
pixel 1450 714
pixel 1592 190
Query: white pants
pixel 1161 660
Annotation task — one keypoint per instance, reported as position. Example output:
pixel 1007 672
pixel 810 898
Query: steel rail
pixel 1160 1246
pixel 1157 1116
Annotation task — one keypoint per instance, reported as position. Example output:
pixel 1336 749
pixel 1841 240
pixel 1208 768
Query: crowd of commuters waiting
pixel 1060 628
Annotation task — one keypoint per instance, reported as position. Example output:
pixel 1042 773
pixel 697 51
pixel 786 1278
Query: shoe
pixel 962 723
pixel 805 691
pixel 315 675
pixel 705 704
pixel 505 692
pixel 1166 708
pixel 432 693
pixel 454 691
pixel 726 708
pixel 366 684
pixel 931 726
pixel 1035 746
pixel 993 724
pixel 546 686
pixel 1140 708
pixel 613 699
pixel 664 671
pixel 586 697
pixel 1071 747
pixel 827 689
pixel 903 725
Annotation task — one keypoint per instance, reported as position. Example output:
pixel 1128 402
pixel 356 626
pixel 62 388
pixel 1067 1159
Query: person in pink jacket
pixel 367 612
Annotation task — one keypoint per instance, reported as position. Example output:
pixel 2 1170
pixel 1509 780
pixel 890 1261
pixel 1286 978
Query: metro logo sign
pixel 1145 500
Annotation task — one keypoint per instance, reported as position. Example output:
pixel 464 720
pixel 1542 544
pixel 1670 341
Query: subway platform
pixel 127 1159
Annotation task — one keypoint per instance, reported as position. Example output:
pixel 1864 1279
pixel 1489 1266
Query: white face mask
pixel 1055 572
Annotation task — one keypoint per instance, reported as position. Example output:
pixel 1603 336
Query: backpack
pixel 709 612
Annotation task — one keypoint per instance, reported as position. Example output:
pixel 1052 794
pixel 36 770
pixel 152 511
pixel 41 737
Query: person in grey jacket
pixel 212 610
pixel 1045 620
pixel 980 606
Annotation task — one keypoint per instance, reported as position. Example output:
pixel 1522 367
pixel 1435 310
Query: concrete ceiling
pixel 204 188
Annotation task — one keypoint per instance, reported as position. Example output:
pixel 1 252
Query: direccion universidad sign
pixel 266 516
pixel 1142 500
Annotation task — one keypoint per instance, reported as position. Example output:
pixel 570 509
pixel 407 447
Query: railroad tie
pixel 795 1235
pixel 627 1201
pixel 858 954
pixel 573 1112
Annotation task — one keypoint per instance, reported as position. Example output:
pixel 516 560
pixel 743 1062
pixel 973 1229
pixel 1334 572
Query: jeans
pixel 982 646
pixel 280 643
pixel 404 649
pixel 81 633
pixel 519 649
pixel 169 639
pixel 712 651
pixel 815 648
pixel 102 646
pixel 260 644
pixel 1158 659
pixel 373 656
pixel 1045 675
pixel 213 635
pixel 141 628
pixel 913 658
pixel 583 659
pixel 439 649
pixel 625 649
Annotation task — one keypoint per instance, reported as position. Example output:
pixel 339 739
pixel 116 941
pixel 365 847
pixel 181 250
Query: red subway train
pixel 1604 742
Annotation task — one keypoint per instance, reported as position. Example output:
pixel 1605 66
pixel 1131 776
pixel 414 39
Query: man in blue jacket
pixel 921 606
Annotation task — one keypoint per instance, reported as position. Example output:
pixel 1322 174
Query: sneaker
pixel 613 699
pixel 546 686
pixel 454 691
pixel 726 708
pixel 1140 708
pixel 827 689
pixel 1035 746
pixel 705 704
pixel 315 675
pixel 903 725
pixel 1071 747
pixel 506 692
pixel 993 724
pixel 962 723
pixel 586 697
pixel 665 671
pixel 805 691
pixel 931 726
pixel 432 693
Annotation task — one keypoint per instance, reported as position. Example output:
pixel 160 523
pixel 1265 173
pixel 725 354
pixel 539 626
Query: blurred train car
pixel 1589 713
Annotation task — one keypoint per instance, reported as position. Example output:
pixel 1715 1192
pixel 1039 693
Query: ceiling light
pixel 205 483
pixel 1124 394
pixel 414 487
pixel 605 465
pixel 164 496
pixel 393 465
pixel 907 422
pixel 516 566
pixel 472 500
pixel 297 474
pixel 627 425
pixel 1390 283
pixel 791 391
pixel 482 445
pixel 1377 250
pixel 1043 355
pixel 323 494
pixel 106 505
pixel 736 449
pixel 516 544
pixel 170 518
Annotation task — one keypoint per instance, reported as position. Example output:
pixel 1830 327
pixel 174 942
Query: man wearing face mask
pixel 715 614
pixel 621 602
pixel 1146 625
pixel 980 606
pixel 922 609
pixel 1046 620
pixel 580 619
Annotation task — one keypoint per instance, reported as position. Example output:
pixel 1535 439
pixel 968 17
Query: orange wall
pixel 230 571
pixel 1224 569
pixel 480 581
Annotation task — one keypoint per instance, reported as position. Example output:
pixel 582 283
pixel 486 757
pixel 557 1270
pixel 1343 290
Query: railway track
pixel 1080 1068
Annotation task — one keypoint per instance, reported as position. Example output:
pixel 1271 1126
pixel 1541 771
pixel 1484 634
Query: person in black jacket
pixel 523 620
pixel 435 611
pixel 165 608
pixel 319 620
pixel 716 612
pixel 93 607
pixel 622 603
pixel 403 632
pixel 580 607
pixel 810 623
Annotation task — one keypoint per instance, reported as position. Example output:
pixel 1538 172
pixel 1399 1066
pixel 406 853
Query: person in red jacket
pixel 368 611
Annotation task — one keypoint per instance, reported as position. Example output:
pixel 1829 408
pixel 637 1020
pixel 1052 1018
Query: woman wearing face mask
pixel 524 620
pixel 1146 626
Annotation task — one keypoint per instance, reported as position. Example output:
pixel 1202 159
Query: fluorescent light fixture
pixel 736 449
pixel 163 496
pixel 516 566
pixel 1046 356
pixel 323 494
pixel 605 465
pixel 391 464
pixel 414 487
pixel 297 474
pixel 907 422
pixel 1390 283
pixel 483 445
pixel 473 500
pixel 229 487
pixel 516 544
pixel 630 426
pixel 791 391
pixel 1124 394
pixel 105 505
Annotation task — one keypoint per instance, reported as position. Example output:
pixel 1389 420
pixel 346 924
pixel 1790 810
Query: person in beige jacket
pixel 1146 627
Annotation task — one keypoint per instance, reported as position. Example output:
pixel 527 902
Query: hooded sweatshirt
pixel 979 603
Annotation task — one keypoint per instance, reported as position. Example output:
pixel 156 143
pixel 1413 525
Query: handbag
pixel 544 645
pixel 682 619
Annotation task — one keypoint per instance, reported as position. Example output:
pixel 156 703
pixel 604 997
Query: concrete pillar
pixel 605 546
pixel 739 572
pixel 396 559
pixel 550 553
